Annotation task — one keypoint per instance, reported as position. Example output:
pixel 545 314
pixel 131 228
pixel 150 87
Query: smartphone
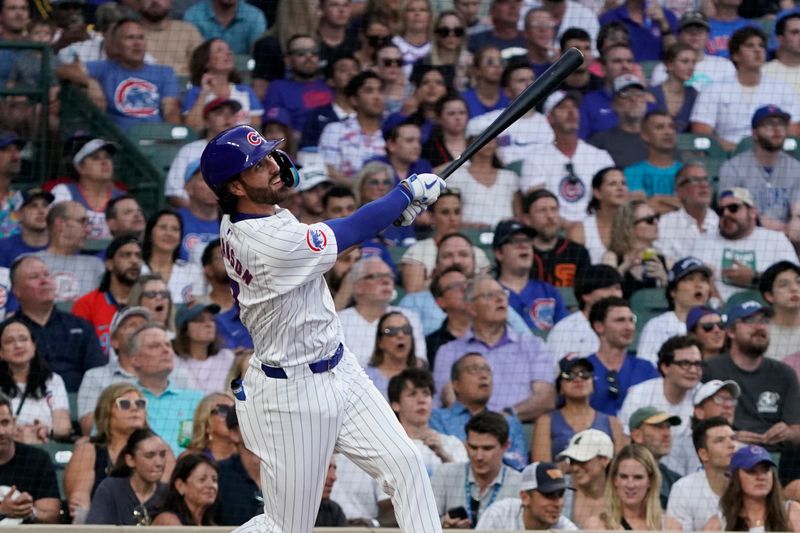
pixel 458 512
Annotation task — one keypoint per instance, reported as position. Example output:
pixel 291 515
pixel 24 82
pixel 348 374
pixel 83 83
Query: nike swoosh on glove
pixel 425 188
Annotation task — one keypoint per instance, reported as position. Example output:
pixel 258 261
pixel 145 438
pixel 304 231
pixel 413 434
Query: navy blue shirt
pixel 316 120
pixel 240 497
pixel 633 371
pixel 68 344
pixel 645 38
pixel 13 247
pixel 231 329
pixel 487 38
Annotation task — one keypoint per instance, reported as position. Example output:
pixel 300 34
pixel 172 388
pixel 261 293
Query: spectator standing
pixel 33 237
pixel 786 64
pixel 503 32
pixel 725 22
pixel 171 41
pixel 780 287
pixel 624 141
pixel 236 22
pixel 651 27
pixel 676 96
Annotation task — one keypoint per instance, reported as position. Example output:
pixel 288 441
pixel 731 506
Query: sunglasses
pixel 652 219
pixel 571 176
pixel 708 327
pixel 126 405
pixel 694 180
pixel 390 331
pixel 725 402
pixel 221 409
pixel 612 379
pixel 155 294
pixel 576 374
pixel 732 208
pixel 377 41
pixel 686 365
pixel 389 62
pixel 447 32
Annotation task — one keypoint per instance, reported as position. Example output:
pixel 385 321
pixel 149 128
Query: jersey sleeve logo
pixel 316 239
pixel 254 138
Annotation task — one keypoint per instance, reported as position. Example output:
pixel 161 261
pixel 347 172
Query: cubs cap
pixel 748 457
pixel 217 103
pixel 91 147
pixel 506 229
pixel 312 176
pixel 651 415
pixel 543 477
pixel 233 151
pixel 693 18
pixel 710 388
pixel 746 310
pixel 566 364
pixel 769 111
pixel 277 115
pixel 626 81
pixel 187 313
pixel 588 444
pixel 696 313
pixel 124 314
pixel 684 267
pixel 740 193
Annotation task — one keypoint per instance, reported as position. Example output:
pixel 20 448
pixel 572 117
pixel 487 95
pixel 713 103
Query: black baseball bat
pixel 527 100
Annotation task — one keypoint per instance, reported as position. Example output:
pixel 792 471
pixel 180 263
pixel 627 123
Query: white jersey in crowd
pixel 573 335
pixel 506 515
pixel 185 283
pixel 656 332
pixel 40 409
pixel 176 177
pixel 276 265
pixel 759 250
pixel 592 240
pixel 712 69
pixel 485 204
pixel 692 502
pixel 677 231
pixel 518 140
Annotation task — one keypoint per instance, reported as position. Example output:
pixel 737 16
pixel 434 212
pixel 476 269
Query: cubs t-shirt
pixel 134 95
pixel 539 304
pixel 298 98
pixel 197 233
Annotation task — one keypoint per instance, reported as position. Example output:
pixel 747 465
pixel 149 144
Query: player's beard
pixel 265 195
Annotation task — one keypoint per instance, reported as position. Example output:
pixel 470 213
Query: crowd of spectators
pixel 606 298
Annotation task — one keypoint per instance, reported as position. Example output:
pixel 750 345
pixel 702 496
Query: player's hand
pixel 410 213
pixel 425 188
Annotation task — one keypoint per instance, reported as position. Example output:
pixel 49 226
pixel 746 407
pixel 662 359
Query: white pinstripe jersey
pixel 276 264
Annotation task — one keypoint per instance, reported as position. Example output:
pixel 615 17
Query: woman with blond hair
pixel 449 46
pixel 414 39
pixel 632 494
pixel 210 435
pixel 151 292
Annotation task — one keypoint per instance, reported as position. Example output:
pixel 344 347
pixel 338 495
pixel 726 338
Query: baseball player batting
pixel 304 395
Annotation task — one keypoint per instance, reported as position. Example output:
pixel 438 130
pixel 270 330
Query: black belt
pixel 317 368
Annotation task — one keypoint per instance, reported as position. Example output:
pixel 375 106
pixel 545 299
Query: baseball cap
pixel 693 18
pixel 544 477
pixel 588 444
pixel 740 193
pixel 555 99
pixel 191 169
pixel 747 309
pixel 696 313
pixel 748 457
pixel 507 229
pixel 91 147
pixel 278 115
pixel 26 197
pixel 596 277
pixel 124 314
pixel 768 111
pixel 476 126
pixel 216 103
pixel 684 267
pixel 8 138
pixel 118 243
pixel 626 81
pixel 710 388
pixel 312 176
pixel 566 364
pixel 190 312
pixel 651 415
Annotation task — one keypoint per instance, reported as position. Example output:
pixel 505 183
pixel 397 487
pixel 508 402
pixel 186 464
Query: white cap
pixel 477 125
pixel 91 147
pixel 588 444
pixel 710 388
pixel 556 98
pixel 311 176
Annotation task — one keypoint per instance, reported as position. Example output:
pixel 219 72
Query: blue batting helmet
pixel 237 149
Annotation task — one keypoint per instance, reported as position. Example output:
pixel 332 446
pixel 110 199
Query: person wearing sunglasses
pixel 210 435
pixel 741 250
pixel 554 431
pixel 485 93
pixel 389 65
pixel 374 33
pixel 780 288
pixel 393 352
pixel 449 46
pixel 134 486
pixel 680 363
pixel 708 326
pixel 151 293
pixel 540 505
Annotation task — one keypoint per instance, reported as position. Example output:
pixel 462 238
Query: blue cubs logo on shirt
pixel 571 189
pixel 316 239
pixel 254 138
pixel 136 97
pixel 543 312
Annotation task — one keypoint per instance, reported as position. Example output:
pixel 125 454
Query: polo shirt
pixel 633 371
pixel 68 344
pixel 652 180
pixel 516 359
pixel 452 421
pixel 645 38
pixel 247 26
pixel 170 415
pixel 99 308
pixel 437 339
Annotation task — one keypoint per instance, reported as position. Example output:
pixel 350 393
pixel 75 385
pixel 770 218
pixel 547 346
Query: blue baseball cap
pixel 191 169
pixel 698 312
pixel 748 457
pixel 768 111
pixel 278 115
pixel 507 229
pixel 190 312
pixel 683 268
pixel 747 309
pixel 8 138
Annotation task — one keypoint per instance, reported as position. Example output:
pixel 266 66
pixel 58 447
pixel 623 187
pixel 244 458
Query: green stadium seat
pixel 647 69
pixel 161 133
pixel 568 295
pixel 73 405
pixel 647 303
pixel 704 149
pixel 64 307
pixel 60 453
pixel 743 296
pixel 396 252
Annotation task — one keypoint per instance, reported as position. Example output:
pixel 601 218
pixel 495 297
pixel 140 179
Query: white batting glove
pixel 425 187
pixel 410 213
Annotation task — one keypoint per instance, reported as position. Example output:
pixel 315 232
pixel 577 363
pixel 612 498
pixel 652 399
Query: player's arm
pixel 406 200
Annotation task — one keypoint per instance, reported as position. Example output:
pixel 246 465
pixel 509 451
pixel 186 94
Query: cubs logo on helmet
pixel 136 97
pixel 316 239
pixel 254 138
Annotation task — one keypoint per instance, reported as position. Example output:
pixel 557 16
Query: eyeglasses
pixel 377 41
pixel 686 365
pixel 694 180
pixel 612 379
pixel 650 220
pixel 83 221
pixel 732 208
pixel 126 405
pixel 392 62
pixel 156 294
pixel 373 182
pixel 377 276
pixel 755 320
pixel 455 286
pixel 300 52
pixel 709 326
pixel 221 410
pixel 447 32
pixel 577 374
pixel 492 295
pixel 394 331
pixel 477 369
pixel 724 401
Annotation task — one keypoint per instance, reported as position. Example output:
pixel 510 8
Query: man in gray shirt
pixel 766 170
pixel 73 274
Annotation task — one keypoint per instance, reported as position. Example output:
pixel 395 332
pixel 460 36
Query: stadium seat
pixel 704 149
pixel 647 68
pixel 791 146
pixel 64 307
pixel 647 303
pixel 160 132
pixel 60 454
pixel 244 64
pixel 568 295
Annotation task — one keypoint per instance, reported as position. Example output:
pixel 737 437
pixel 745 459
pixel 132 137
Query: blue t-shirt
pixel 298 98
pixel 197 233
pixel 475 107
pixel 134 96
pixel 231 329
pixel 644 176
pixel 7 58
pixel 247 26
pixel 252 103
pixel 539 304
pixel 633 371
pixel 645 38
pixel 540 68
pixel 720 34
pixel 596 114
pixel 13 247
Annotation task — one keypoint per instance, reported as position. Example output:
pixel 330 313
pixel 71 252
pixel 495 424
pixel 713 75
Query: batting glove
pixel 424 187
pixel 410 213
